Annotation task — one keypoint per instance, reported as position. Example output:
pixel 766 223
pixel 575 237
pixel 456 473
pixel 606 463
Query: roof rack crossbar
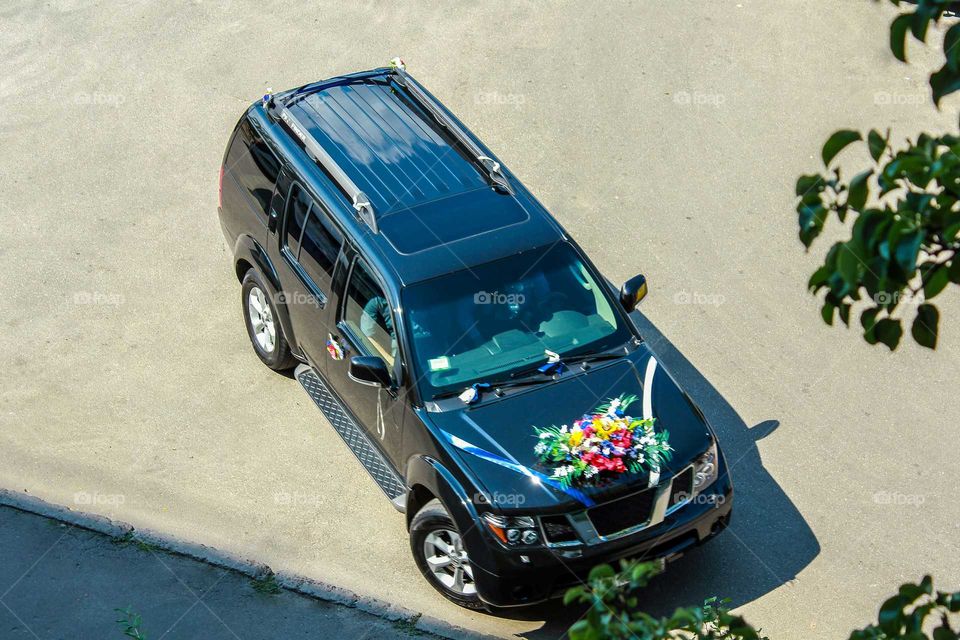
pixel 491 166
pixel 358 199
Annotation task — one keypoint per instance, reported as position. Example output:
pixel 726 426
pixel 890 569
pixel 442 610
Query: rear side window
pixel 320 245
pixel 254 167
pixel 297 209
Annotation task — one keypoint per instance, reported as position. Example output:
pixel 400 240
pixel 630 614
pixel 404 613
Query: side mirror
pixel 369 370
pixel 633 291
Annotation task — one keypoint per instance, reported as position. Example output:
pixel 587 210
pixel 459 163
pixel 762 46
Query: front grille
pixel 558 529
pixel 623 513
pixel 682 488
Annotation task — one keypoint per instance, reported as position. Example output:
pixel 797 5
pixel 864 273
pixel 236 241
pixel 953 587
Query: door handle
pixel 272 220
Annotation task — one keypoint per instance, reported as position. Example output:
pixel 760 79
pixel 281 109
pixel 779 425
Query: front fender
pixel 430 474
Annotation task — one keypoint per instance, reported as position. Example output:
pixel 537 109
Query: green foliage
pixel 902 249
pixel 914 607
pixel 613 614
pixel 130 623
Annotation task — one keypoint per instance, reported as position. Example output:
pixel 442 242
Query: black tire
pixel 279 357
pixel 433 518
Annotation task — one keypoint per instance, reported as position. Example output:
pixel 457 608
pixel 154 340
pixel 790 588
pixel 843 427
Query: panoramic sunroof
pixel 450 219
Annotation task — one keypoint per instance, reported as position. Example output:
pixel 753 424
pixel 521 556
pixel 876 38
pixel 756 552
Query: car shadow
pixel 767 543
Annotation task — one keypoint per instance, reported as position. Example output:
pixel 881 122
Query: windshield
pixel 483 323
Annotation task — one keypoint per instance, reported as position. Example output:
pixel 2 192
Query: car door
pixel 310 245
pixel 366 326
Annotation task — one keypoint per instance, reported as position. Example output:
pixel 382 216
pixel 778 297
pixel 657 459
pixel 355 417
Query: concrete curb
pixel 293 582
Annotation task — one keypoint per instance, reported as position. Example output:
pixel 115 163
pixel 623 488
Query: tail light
pixel 220 189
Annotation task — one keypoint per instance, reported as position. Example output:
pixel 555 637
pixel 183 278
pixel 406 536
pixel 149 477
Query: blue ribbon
pixel 552 368
pixel 463 445
pixel 477 386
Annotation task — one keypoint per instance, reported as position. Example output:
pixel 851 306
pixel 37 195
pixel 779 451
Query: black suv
pixel 482 370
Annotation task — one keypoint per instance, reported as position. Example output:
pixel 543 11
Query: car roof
pixel 436 208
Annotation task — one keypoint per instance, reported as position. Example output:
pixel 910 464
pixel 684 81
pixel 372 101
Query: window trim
pixel 287 208
pixel 396 372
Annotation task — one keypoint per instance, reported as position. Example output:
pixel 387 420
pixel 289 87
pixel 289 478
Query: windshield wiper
pixel 495 386
pixel 593 357
pixel 558 366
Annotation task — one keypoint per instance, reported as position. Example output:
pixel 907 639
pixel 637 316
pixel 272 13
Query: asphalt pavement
pixel 63 581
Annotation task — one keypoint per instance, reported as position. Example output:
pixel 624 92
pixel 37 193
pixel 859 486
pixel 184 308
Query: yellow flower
pixel 575 438
pixel 604 428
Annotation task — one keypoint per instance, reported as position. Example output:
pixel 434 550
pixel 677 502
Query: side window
pixel 253 166
pixel 320 245
pixel 367 313
pixel 298 206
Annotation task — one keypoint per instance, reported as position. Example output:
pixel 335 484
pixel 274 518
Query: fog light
pixel 513 535
pixel 530 537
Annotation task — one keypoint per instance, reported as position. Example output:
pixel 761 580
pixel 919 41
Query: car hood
pixel 495 438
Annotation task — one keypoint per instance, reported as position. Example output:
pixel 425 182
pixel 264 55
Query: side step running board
pixel 367 453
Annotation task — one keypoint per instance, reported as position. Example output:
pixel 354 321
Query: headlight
pixel 706 469
pixel 513 531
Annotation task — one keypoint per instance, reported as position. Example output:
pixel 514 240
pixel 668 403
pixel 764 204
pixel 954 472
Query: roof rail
pixel 359 200
pixel 491 166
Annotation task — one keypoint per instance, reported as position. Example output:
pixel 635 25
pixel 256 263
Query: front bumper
pixel 546 573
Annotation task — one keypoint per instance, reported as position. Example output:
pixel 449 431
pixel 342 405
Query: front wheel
pixel 441 557
pixel 263 327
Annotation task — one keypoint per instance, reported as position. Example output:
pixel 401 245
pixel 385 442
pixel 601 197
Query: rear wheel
pixel 441 557
pixel 263 327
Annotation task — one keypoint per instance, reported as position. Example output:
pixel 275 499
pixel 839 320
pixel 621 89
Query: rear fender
pixel 248 250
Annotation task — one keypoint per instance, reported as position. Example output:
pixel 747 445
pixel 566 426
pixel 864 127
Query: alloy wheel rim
pixel 261 320
pixel 448 562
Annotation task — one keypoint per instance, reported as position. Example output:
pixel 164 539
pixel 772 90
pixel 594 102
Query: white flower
pixel 545 435
pixel 541 448
pixel 590 471
pixel 612 409
pixel 561 472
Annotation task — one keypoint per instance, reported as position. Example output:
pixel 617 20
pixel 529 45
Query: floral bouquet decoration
pixel 602 444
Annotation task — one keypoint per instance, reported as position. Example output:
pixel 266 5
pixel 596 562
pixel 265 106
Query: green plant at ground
pixel 130 623
pixel 903 243
pixel 130 538
pixel 612 612
pixel 266 583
